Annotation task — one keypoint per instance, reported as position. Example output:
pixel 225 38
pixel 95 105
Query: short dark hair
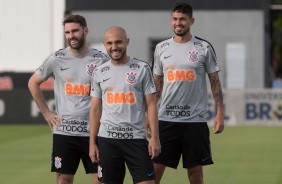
pixel 75 19
pixel 184 8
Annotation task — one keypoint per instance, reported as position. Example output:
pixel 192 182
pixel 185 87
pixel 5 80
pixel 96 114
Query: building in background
pixel 241 31
pixel 245 34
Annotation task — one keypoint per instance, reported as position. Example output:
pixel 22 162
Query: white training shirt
pixel 73 76
pixel 123 89
pixel 184 67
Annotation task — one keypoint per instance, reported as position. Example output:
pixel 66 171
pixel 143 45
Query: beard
pixel 182 33
pixel 118 59
pixel 80 42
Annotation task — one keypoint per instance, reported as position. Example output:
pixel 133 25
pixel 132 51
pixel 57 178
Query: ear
pixel 192 20
pixel 127 41
pixel 86 30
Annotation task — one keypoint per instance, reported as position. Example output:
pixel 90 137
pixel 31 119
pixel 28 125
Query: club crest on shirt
pixel 193 56
pixel 131 78
pixel 90 68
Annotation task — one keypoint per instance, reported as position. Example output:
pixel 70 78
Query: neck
pixel 79 53
pixel 122 61
pixel 182 39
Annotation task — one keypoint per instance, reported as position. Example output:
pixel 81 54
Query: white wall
pixel 217 27
pixel 29 31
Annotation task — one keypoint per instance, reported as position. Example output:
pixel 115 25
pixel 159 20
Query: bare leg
pixel 195 175
pixel 147 182
pixel 64 178
pixel 95 178
pixel 159 169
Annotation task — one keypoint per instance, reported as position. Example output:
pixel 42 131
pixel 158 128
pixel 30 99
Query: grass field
pixel 242 155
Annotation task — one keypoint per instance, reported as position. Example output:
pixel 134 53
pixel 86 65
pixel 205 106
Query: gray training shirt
pixel 184 67
pixel 73 76
pixel 123 89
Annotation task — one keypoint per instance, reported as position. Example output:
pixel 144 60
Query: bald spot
pixel 115 31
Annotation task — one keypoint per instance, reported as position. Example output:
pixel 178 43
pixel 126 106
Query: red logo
pixel 90 68
pixel 131 77
pixel 193 57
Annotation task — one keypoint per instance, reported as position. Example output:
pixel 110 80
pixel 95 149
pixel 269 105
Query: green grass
pixel 242 155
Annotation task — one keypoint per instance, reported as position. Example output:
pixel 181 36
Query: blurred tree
pixel 276 1
pixel 277 42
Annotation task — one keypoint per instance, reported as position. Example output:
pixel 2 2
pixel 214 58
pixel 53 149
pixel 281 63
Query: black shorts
pixel 67 152
pixel 114 153
pixel 189 140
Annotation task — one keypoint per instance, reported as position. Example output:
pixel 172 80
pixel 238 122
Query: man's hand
pixel 154 147
pixel 53 120
pixel 94 153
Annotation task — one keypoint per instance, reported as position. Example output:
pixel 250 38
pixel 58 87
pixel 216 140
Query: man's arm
pixel 152 118
pixel 94 124
pixel 34 87
pixel 218 98
pixel 159 81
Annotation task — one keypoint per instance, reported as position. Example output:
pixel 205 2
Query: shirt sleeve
pixel 158 68
pixel 46 69
pixel 211 60
pixel 148 81
pixel 95 86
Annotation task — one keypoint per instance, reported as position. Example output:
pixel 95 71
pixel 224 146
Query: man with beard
pixel 180 67
pixel 122 90
pixel 72 69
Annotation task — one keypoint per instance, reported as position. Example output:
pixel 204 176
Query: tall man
pixel 72 69
pixel 180 67
pixel 122 90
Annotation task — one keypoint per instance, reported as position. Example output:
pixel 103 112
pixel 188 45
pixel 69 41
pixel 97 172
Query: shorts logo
pixel 90 68
pixel 131 78
pixel 77 89
pixel 58 163
pixel 100 174
pixel 120 98
pixel 180 75
pixel 193 57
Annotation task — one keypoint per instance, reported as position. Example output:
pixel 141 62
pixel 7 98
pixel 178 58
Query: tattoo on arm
pixel 216 88
pixel 159 81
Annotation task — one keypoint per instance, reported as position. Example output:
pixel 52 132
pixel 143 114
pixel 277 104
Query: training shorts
pixel 115 153
pixel 67 153
pixel 189 140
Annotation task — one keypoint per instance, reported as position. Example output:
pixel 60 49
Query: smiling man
pixel 181 64
pixel 72 69
pixel 122 91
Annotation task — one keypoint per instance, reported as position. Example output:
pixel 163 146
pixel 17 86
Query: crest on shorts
pixel 90 68
pixel 100 174
pixel 193 56
pixel 58 163
pixel 131 77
